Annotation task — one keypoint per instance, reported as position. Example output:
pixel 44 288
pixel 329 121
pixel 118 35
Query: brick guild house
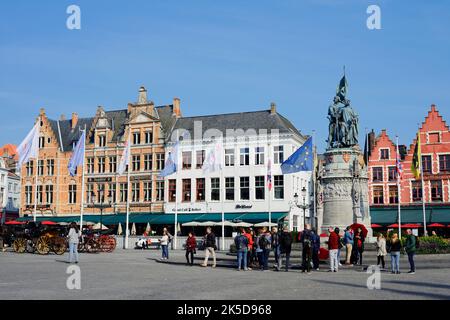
pixel 383 193
pixel 59 194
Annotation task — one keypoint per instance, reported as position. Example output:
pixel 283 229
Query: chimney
pixel 273 108
pixel 62 117
pixel 74 120
pixel 142 99
pixel 176 107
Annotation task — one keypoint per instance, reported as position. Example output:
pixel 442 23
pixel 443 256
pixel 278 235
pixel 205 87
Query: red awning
pixel 14 222
pixel 395 225
pixel 374 225
pixel 48 223
pixel 436 225
pixel 411 225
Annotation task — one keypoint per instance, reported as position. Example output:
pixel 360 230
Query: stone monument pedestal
pixel 344 189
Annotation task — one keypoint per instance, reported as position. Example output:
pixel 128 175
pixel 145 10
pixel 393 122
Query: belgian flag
pixel 417 157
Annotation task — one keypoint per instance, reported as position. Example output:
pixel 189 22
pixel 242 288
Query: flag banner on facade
pixel 269 174
pixel 214 159
pixel 78 155
pixel 125 160
pixel 171 164
pixel 300 160
pixel 399 165
pixel 416 160
pixel 29 148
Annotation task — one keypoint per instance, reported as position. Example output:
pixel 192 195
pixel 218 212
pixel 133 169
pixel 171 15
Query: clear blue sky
pixel 226 56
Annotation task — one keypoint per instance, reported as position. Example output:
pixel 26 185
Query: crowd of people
pixel 253 248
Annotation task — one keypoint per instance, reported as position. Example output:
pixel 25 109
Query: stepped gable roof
pixel 257 120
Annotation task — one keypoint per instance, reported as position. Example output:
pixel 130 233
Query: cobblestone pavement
pixel 136 274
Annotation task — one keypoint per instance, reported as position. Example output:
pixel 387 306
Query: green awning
pixel 166 218
pixel 389 215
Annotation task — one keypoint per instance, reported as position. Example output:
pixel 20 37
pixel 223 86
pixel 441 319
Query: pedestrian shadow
pixel 398 291
pixel 62 261
pixel 421 284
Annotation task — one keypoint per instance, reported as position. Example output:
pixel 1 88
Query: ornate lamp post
pixel 303 206
pixel 101 204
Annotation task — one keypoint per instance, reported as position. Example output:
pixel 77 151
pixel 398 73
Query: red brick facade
pixel 435 148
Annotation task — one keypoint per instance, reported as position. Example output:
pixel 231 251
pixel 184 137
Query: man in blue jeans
pixel 241 243
pixel 265 243
pixel 410 248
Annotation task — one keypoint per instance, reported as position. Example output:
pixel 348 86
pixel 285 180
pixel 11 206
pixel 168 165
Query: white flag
pixel 214 159
pixel 125 160
pixel 29 148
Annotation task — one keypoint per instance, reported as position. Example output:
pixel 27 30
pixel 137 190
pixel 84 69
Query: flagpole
pixel 367 167
pixel 82 183
pixel 314 178
pixel 423 185
pixel 175 238
pixel 397 160
pixel 270 188
pixel 127 219
pixel 36 174
pixel 223 212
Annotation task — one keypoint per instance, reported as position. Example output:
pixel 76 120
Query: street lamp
pixel 303 206
pixel 101 204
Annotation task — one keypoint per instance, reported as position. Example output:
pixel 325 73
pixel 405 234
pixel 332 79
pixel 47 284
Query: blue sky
pixel 226 56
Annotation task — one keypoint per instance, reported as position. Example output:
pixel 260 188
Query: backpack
pixel 264 243
pixel 417 242
pixel 241 242
pixel 285 240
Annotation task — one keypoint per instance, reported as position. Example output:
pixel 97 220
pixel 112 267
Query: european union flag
pixel 300 160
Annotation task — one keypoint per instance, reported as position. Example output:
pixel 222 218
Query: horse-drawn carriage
pixel 35 237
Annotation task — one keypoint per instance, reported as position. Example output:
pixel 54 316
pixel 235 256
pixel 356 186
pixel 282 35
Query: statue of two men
pixel 343 126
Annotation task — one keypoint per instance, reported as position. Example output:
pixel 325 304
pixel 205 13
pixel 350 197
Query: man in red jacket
pixel 333 247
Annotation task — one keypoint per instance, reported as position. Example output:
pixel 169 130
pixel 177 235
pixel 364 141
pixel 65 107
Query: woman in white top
pixel 164 241
pixel 381 249
pixel 73 236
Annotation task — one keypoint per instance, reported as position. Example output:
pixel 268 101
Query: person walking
pixel 74 239
pixel 259 250
pixel 249 237
pixel 164 242
pixel 348 242
pixel 241 243
pixel 275 243
pixel 306 241
pixel 191 248
pixel 315 249
pixel 333 247
pixel 381 249
pixel 265 241
pixel 341 244
pixel 359 243
pixel 210 247
pixel 285 249
pixel 394 247
pixel 410 248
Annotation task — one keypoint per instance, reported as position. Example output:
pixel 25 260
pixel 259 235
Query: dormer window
pixel 102 141
pixel 148 137
pixel 41 142
pixel 136 138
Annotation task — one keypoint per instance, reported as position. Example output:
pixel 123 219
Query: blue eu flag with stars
pixel 300 160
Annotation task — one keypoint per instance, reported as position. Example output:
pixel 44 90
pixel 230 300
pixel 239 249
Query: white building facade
pixel 250 141
pixel 9 192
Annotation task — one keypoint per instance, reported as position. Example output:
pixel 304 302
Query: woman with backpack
pixel 394 248
pixel 191 245
pixel 73 236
